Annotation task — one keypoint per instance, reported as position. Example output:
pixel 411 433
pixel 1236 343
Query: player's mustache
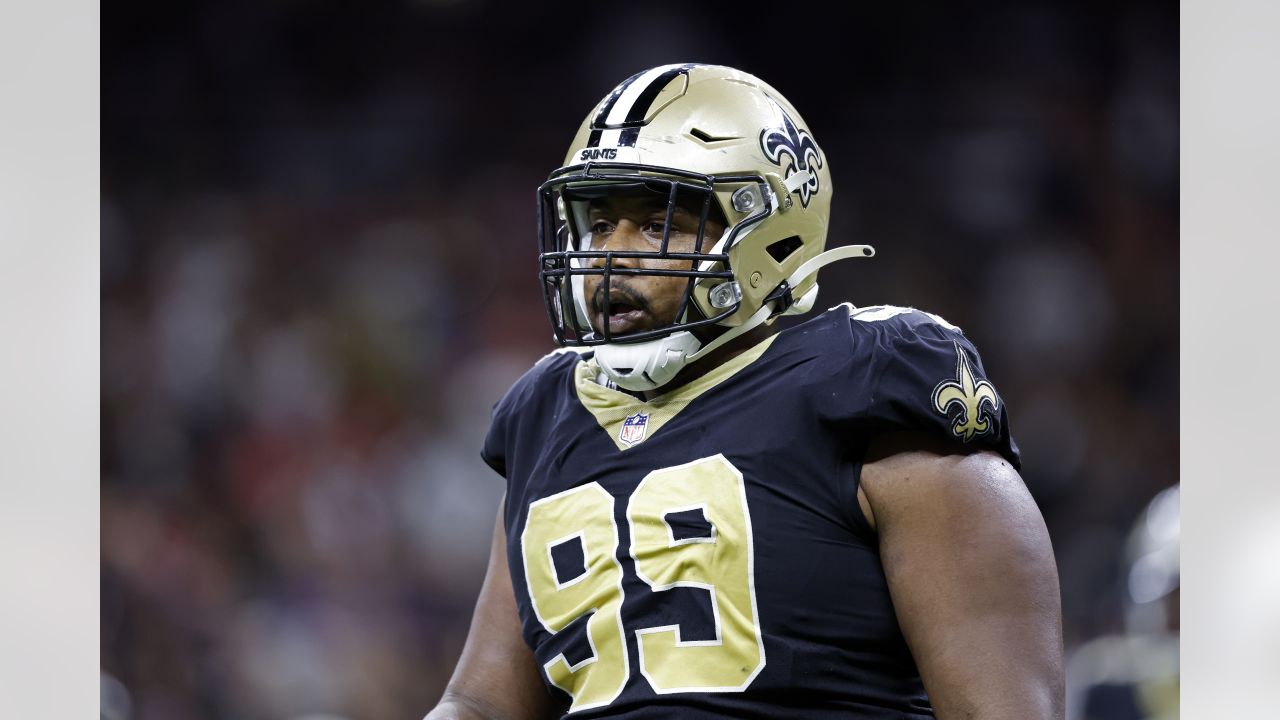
pixel 619 294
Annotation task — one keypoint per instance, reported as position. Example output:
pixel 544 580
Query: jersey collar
pixel 612 408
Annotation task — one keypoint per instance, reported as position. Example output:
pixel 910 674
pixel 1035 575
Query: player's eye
pixel 601 227
pixel 654 228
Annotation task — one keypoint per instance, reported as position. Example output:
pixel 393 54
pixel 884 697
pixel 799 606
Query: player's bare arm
pixel 972 577
pixel 496 678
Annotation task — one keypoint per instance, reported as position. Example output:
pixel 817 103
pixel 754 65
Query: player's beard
pixel 630 311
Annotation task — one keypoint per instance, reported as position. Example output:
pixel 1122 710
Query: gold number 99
pixel 722 565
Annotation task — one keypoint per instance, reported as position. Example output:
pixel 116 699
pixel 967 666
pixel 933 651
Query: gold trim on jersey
pixel 611 407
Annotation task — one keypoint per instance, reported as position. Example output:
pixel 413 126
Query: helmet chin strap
pixel 651 364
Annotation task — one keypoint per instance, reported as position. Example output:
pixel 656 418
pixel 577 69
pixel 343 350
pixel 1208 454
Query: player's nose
pixel 625 238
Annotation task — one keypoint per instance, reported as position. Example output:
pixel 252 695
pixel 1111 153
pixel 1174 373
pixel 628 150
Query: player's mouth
pixel 628 312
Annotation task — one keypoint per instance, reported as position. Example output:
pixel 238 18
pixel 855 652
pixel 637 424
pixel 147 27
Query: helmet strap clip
pixel 780 298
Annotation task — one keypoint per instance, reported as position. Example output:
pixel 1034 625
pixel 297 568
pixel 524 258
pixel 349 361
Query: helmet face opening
pixel 568 256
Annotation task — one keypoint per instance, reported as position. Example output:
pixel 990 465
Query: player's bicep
pixel 974 582
pixel 496 676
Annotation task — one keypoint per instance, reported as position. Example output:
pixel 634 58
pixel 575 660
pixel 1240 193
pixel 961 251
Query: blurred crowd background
pixel 319 272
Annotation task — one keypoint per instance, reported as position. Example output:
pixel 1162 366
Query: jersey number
pixel 722 564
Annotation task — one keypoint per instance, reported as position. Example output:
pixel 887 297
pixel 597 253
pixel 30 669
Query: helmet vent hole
pixel 707 137
pixel 782 249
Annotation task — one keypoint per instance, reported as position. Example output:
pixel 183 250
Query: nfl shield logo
pixel 633 428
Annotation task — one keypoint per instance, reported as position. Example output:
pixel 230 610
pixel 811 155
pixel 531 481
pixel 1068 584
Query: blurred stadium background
pixel 318 273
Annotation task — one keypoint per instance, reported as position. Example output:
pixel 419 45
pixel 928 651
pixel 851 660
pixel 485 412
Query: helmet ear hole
pixel 780 250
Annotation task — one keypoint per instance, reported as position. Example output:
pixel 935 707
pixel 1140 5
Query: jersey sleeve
pixel 514 416
pixel 494 449
pixel 926 376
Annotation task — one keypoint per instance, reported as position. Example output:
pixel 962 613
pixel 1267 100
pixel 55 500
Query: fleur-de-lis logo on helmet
pixel 796 147
pixel 971 397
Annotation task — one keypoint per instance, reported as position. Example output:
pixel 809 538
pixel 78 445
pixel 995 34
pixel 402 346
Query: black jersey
pixel 703 554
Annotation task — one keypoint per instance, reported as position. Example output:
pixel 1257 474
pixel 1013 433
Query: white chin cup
pixel 647 365
pixel 652 364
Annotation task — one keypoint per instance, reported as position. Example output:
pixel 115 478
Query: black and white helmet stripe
pixel 618 121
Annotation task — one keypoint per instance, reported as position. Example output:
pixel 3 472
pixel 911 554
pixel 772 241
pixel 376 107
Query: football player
pixel 708 518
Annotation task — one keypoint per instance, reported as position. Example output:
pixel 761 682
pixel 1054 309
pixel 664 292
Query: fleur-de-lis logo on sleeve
pixel 976 399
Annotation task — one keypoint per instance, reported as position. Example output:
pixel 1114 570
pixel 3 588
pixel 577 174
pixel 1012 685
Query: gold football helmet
pixel 699 135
